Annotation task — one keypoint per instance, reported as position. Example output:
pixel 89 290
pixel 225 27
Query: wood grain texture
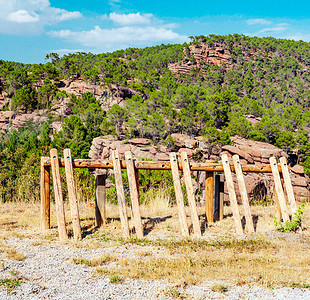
pixel 61 221
pixel 279 188
pixel 288 185
pixel 120 193
pixel 190 194
pixel 100 199
pixel 45 196
pixel 178 194
pixel 244 194
pixel 134 194
pixel 159 165
pixel 209 196
pixel 73 201
pixel 232 194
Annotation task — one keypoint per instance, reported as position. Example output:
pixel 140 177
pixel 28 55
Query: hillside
pixel 215 87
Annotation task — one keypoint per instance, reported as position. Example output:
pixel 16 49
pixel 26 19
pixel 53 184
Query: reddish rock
pixel 162 156
pixel 298 169
pixel 139 141
pixel 241 153
pixel 188 151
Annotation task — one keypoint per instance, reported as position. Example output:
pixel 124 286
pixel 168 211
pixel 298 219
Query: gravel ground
pixel 48 272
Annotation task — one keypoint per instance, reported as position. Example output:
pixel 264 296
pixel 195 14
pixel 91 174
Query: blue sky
pixel 30 29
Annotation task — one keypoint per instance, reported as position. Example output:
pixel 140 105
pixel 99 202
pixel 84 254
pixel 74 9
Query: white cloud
pixel 276 28
pixel 121 37
pixel 22 16
pixel 30 16
pixel 130 19
pixel 258 22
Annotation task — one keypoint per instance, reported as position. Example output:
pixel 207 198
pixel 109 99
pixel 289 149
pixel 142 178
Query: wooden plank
pixel 74 206
pixel 100 199
pixel 45 197
pixel 120 193
pixel 61 221
pixel 279 188
pixel 221 197
pixel 190 194
pixel 157 165
pixel 134 194
pixel 178 194
pixel 216 197
pixel 244 194
pixel 209 197
pixel 232 194
pixel 277 208
pixel 288 185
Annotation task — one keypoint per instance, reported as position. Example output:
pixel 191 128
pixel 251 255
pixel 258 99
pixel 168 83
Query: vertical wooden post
pixel 244 194
pixel 221 197
pixel 45 197
pixel 74 206
pixel 134 194
pixel 178 194
pixel 277 208
pixel 232 194
pixel 209 197
pixel 288 185
pixel 100 199
pixel 120 193
pixel 58 196
pixel 216 197
pixel 279 188
pixel 190 193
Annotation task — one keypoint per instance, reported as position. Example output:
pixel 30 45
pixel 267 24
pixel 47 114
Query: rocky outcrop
pixel 258 185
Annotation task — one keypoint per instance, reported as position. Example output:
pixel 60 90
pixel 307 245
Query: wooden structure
pixel 213 197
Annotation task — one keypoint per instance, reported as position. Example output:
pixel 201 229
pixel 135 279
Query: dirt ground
pixel 267 258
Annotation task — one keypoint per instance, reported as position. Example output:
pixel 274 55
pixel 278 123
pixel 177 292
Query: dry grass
pixel 11 252
pixel 267 258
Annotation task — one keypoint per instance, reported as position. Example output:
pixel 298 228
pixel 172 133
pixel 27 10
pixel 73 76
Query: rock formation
pixel 258 185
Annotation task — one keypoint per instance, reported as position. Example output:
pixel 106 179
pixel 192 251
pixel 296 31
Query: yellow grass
pixel 267 257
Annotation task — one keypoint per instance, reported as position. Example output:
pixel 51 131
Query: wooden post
pixel 178 194
pixel 244 194
pixel 120 193
pixel 209 197
pixel 45 197
pixel 222 197
pixel 216 197
pixel 134 194
pixel 279 188
pixel 74 206
pixel 61 221
pixel 190 194
pixel 288 185
pixel 277 208
pixel 100 199
pixel 232 194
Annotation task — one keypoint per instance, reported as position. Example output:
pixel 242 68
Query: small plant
pixel 115 278
pixel 220 288
pixel 10 283
pixel 293 224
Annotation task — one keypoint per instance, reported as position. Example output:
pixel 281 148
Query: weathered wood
pixel 120 193
pixel 157 165
pixel 288 185
pixel 209 197
pixel 232 194
pixel 279 188
pixel 221 197
pixel 45 197
pixel 277 208
pixel 190 194
pixel 216 197
pixel 61 221
pixel 244 194
pixel 178 194
pixel 100 199
pixel 74 206
pixel 134 194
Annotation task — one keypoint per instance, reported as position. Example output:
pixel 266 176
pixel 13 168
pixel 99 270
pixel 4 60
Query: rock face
pixel 258 185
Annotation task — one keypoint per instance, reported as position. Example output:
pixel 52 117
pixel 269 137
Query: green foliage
pixel 292 225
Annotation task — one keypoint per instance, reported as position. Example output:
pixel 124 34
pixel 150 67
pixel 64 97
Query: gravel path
pixel 49 273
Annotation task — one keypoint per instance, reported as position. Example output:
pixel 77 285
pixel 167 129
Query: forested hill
pixel 216 86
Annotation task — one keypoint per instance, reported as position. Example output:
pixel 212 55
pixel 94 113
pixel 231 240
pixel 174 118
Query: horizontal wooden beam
pixel 158 165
